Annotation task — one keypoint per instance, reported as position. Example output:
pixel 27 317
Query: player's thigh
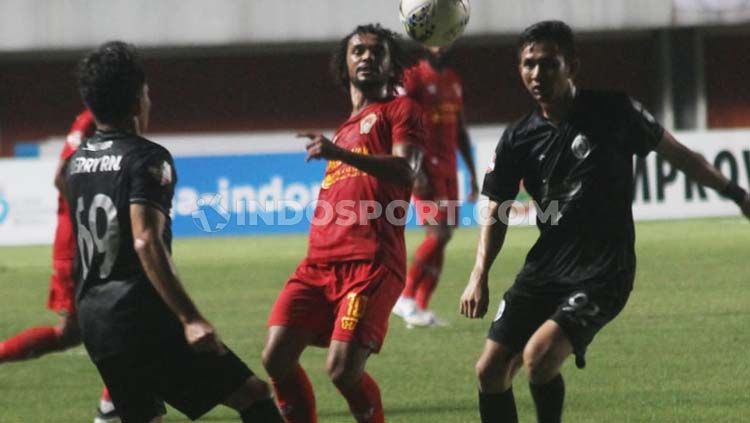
pixel 546 351
pixel 496 366
pixel 518 316
pixel 370 290
pixel 132 386
pixel 284 345
pixel 302 306
pixel 583 313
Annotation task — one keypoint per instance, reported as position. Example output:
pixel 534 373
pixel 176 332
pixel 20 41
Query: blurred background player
pixel 141 329
pixel 438 89
pixel 341 295
pixel 37 341
pixel 574 152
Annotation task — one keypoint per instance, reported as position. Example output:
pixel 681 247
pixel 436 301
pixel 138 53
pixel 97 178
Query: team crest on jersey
pixel 365 126
pixel 162 173
pixel 581 147
pixel 457 89
pixel 432 89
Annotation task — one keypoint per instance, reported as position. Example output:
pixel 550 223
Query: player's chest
pixel 367 135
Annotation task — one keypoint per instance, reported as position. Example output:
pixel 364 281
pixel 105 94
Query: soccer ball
pixel 435 23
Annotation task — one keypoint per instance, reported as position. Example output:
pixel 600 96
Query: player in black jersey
pixel 574 154
pixel 140 327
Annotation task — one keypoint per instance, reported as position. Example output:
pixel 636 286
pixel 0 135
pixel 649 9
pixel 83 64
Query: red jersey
pixel 64 247
pixel 342 228
pixel 440 94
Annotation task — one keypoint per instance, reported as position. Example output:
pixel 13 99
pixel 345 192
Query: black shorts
pixel 581 312
pixel 191 382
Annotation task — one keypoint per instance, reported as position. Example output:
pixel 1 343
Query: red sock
pixel 295 397
pixel 31 343
pixel 424 254
pixel 105 395
pixel 430 280
pixel 364 400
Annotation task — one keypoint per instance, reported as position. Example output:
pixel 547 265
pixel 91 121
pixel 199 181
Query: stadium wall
pixel 265 187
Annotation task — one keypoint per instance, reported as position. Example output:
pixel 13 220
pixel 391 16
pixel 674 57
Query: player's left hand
pixel 473 194
pixel 202 337
pixel 319 147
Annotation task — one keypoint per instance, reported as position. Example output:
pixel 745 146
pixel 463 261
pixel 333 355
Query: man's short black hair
pixel 400 59
pixel 557 32
pixel 110 80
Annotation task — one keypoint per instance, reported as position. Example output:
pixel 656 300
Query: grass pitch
pixel 679 352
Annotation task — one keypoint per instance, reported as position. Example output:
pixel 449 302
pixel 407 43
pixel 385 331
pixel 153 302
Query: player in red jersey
pixel 37 341
pixel 438 89
pixel 342 293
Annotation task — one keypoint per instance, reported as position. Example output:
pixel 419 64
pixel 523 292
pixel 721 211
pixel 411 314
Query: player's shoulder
pixel 522 129
pixel 603 100
pixel 399 105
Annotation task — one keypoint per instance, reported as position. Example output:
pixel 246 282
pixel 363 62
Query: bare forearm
pixel 491 239
pixel 160 271
pixel 701 171
pixel 388 168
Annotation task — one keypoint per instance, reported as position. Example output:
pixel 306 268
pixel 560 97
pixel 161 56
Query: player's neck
pixel 127 126
pixel 556 111
pixel 362 98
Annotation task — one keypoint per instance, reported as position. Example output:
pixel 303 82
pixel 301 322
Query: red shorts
pixel 62 288
pixel 441 207
pixel 344 301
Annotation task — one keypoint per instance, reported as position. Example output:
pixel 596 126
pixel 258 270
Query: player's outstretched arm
pixel 147 226
pixel 698 169
pixel 464 148
pixel 476 296
pixel 402 167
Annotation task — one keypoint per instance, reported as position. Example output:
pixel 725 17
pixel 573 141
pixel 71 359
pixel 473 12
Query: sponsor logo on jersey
pixel 365 126
pixel 355 309
pixel 110 163
pixel 337 170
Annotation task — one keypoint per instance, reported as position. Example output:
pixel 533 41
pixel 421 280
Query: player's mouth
pixel 367 71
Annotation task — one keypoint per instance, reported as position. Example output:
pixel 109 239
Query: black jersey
pixel 580 175
pixel 118 308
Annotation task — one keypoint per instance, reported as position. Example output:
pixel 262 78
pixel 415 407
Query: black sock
pixel 548 398
pixel 498 408
pixel 263 411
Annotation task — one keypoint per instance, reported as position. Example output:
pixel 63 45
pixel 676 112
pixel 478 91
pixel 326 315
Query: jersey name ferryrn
pixel 110 163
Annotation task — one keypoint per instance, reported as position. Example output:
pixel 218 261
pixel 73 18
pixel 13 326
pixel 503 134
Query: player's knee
pixel 274 363
pixel 251 391
pixel 539 363
pixel 69 333
pixel 492 376
pixel 342 374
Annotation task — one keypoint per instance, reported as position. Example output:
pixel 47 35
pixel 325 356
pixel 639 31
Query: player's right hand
pixel 319 147
pixel 202 337
pixel 476 296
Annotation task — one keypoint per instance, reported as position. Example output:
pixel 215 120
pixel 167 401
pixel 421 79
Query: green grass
pixel 678 353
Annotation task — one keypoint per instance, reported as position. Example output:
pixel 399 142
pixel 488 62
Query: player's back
pixel 109 172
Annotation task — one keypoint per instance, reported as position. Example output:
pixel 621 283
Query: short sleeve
pixel 503 178
pixel 406 122
pixel 642 132
pixel 410 83
pixel 152 180
pixel 83 127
